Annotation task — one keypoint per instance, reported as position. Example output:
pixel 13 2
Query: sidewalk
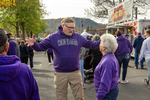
pixel 136 89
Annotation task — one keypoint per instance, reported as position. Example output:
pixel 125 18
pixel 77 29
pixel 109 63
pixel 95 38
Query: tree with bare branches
pixel 101 7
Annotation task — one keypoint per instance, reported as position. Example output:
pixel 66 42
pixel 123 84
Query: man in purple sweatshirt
pixel 16 79
pixel 66 45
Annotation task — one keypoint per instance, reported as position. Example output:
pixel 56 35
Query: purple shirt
pixel 66 49
pixel 16 80
pixel 106 75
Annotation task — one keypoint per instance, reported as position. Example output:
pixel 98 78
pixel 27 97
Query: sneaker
pixel 32 68
pixel 136 67
pixel 124 81
pixel 118 81
pixel 146 81
pixel 50 63
pixel 142 68
pixel 83 87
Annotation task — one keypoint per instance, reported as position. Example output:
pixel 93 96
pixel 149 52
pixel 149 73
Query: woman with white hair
pixel 106 73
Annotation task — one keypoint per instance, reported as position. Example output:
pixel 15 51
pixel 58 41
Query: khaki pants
pixel 61 85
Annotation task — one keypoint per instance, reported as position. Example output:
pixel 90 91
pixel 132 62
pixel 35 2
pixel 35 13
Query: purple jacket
pixel 16 80
pixel 124 46
pixel 12 48
pixel 66 49
pixel 106 75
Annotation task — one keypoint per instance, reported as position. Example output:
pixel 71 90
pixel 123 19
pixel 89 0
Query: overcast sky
pixel 69 8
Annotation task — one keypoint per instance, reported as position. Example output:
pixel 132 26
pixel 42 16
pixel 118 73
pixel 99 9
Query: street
pixel 136 89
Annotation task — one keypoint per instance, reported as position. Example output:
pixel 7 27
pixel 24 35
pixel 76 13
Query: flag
pixel 82 22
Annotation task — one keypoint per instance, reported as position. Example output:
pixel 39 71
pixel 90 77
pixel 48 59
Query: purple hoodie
pixel 124 46
pixel 106 75
pixel 12 48
pixel 16 80
pixel 66 49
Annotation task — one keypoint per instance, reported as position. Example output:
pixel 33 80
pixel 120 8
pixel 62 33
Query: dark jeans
pixel 112 95
pixel 24 60
pixel 123 59
pixel 31 61
pixel 136 58
pixel 50 55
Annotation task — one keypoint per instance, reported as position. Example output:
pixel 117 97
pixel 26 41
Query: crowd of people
pixel 108 56
pixel 19 48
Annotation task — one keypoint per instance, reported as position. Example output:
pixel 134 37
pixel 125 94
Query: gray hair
pixel 2 48
pixel 110 42
pixel 96 38
pixel 67 20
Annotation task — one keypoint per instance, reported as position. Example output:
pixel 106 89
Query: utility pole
pixel 135 12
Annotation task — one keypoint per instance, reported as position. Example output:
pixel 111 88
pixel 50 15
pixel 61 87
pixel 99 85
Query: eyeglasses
pixel 70 27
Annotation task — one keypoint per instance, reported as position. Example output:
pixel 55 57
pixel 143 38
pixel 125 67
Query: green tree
pixel 30 17
pixel 87 29
pixel 27 14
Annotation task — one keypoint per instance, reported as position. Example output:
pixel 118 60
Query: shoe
pixel 147 81
pixel 118 81
pixel 124 81
pixel 50 63
pixel 129 66
pixel 83 87
pixel 142 68
pixel 136 67
pixel 32 68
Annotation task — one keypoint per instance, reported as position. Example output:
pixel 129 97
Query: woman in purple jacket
pixel 123 54
pixel 106 73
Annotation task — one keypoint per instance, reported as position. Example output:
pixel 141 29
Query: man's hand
pixel 30 41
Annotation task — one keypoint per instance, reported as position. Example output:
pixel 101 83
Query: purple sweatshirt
pixel 16 80
pixel 66 49
pixel 124 46
pixel 12 48
pixel 106 75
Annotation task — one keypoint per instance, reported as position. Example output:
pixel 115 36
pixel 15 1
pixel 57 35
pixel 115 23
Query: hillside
pixel 54 23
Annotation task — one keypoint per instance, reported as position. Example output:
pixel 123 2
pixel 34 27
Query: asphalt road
pixel 136 89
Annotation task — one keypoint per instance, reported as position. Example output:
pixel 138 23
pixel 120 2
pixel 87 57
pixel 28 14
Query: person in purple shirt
pixel 66 45
pixel 126 36
pixel 106 73
pixel 12 46
pixel 16 79
pixel 123 54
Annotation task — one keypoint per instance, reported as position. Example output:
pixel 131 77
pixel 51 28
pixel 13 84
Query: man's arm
pixel 42 46
pixel 30 41
pixel 130 46
pixel 134 42
pixel 90 44
pixel 142 51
